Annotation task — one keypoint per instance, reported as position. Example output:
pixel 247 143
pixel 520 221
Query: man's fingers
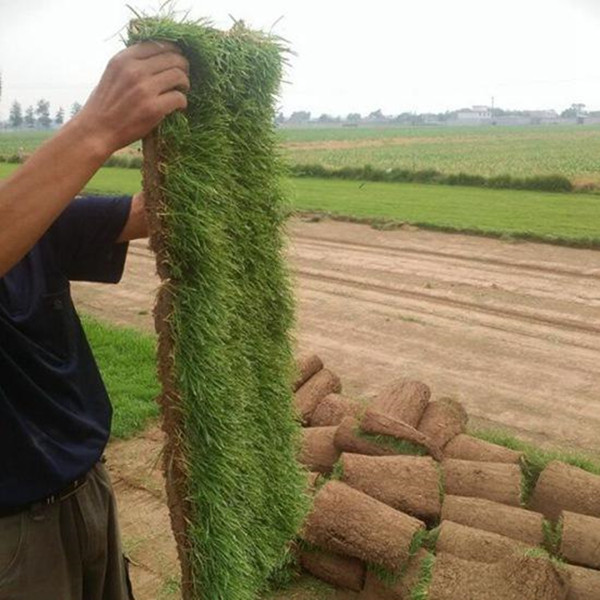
pixel 145 50
pixel 172 101
pixel 172 79
pixel 163 62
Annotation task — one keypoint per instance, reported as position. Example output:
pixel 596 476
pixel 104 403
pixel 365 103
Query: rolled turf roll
pixel 335 569
pixel 376 589
pixel 375 423
pixel 313 391
pixel 516 578
pixel 333 409
pixel 318 452
pixel 348 522
pixel 404 400
pixel 509 521
pixel 475 544
pixel 498 482
pixel 306 366
pixel 580 542
pixel 585 583
pixel 410 484
pixel 467 447
pixel 443 420
pixel 349 439
pixel 564 487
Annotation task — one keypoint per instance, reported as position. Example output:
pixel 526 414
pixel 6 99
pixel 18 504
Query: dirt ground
pixel 512 330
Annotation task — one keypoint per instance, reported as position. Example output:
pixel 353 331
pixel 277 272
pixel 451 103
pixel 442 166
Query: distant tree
pixel 576 110
pixel 376 115
pixel 354 117
pixel 300 116
pixel 325 118
pixel 75 108
pixel 15 118
pixel 42 112
pixel 29 119
pixel 59 119
pixel 280 118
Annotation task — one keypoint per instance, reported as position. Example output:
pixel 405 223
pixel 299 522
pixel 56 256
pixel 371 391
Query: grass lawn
pixel 572 219
pixel 126 358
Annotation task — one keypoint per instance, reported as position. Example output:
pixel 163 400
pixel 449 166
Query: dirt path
pixel 513 330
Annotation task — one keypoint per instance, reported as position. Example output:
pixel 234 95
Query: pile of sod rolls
pixel 223 314
pixel 409 506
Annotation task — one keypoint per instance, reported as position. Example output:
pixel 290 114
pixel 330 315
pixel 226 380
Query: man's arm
pixel 140 86
pixel 137 224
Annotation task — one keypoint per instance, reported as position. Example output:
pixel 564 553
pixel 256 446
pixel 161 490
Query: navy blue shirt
pixel 55 413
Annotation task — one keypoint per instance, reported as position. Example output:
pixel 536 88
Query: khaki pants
pixel 70 550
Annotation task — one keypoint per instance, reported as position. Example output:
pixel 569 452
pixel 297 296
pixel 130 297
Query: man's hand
pixel 140 86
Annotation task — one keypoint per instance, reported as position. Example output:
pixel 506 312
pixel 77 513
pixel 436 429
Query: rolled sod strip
pixel 348 439
pixel 335 569
pixel 466 447
pixel 318 452
pixel 563 487
pixel 348 522
pixel 376 423
pixel 410 484
pixel 376 589
pixel 509 521
pixel 224 313
pixel 584 583
pixel 333 409
pixel 314 391
pixel 306 367
pixel 469 543
pixel 443 420
pixel 404 400
pixel 518 578
pixel 580 543
pixel 498 482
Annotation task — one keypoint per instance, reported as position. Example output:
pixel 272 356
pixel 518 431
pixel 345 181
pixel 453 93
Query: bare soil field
pixel 511 330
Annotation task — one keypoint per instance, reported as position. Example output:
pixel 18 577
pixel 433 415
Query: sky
pixel 393 55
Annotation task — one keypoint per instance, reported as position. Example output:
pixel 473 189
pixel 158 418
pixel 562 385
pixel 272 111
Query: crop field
pixel 572 151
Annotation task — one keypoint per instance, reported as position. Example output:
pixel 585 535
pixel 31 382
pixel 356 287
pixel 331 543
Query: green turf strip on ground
pixel 127 361
pixel 554 218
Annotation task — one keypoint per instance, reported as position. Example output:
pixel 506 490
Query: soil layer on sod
pixel 224 313
pixel 410 484
pixel 403 400
pixel 510 521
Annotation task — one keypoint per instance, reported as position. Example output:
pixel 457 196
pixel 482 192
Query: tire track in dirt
pixel 513 330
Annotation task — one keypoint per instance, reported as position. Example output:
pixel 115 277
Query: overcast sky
pixel 397 55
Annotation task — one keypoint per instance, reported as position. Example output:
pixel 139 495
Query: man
pixel 58 534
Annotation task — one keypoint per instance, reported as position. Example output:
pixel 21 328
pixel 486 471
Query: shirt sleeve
pixel 84 238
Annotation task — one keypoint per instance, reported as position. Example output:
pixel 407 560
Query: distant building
pixel 475 115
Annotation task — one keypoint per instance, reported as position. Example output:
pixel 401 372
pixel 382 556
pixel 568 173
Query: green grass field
pixel 572 219
pixel 572 151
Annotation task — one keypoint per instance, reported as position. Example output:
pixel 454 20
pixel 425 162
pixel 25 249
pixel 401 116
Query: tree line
pixel 38 116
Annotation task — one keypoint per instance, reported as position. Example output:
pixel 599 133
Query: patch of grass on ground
pixel 128 365
pixel 508 214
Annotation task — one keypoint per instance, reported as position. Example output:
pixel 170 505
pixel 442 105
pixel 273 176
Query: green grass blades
pixel 127 360
pixel 232 310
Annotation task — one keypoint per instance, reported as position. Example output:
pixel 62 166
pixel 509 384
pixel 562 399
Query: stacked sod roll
pixel 223 314
pixel 410 506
